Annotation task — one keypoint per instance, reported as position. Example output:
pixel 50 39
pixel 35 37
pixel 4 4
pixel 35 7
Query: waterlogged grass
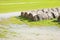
pixel 21 5
pixel 14 20
pixel 21 20
pixel 5 32
pixel 11 20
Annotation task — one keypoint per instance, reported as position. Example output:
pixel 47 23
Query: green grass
pixel 11 20
pixel 52 22
pixel 27 6
pixel 22 20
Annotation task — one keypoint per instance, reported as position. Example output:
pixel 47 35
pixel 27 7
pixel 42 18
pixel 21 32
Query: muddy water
pixel 24 32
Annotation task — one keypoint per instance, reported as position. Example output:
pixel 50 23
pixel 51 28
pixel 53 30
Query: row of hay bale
pixel 41 14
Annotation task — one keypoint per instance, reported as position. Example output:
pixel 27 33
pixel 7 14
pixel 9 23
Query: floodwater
pixel 24 32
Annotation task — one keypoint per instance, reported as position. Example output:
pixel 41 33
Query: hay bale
pixel 45 10
pixel 58 10
pixel 35 18
pixel 26 14
pixel 54 12
pixel 32 15
pixel 58 19
pixel 50 16
pixel 22 13
pixel 47 13
pixel 42 15
pixel 39 17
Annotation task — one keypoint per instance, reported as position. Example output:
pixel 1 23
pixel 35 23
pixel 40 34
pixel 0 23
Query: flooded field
pixel 24 32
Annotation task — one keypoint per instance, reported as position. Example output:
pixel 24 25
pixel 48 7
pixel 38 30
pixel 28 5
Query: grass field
pixel 20 5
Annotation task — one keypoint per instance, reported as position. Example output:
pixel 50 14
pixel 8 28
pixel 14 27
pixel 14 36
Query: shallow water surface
pixel 24 32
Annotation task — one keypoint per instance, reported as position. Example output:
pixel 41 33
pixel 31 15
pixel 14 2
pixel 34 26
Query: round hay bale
pixel 47 14
pixel 30 16
pixel 54 12
pixel 22 13
pixel 50 16
pixel 58 10
pixel 35 18
pixel 53 15
pixel 39 17
pixel 58 19
pixel 26 14
pixel 39 12
pixel 45 10
pixel 42 15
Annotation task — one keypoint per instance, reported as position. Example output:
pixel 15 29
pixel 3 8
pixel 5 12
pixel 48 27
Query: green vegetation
pixel 20 5
pixel 11 20
pixel 52 22
pixel 22 20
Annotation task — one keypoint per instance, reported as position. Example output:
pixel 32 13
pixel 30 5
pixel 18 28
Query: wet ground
pixel 24 32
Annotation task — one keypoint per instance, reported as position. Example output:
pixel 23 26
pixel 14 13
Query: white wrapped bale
pixel 54 12
pixel 32 15
pixel 26 14
pixel 50 16
pixel 22 13
pixel 35 18
pixel 39 17
pixel 45 10
pixel 58 10
pixel 42 15
pixel 47 13
pixel 58 19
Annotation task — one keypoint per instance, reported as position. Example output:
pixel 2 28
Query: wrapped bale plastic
pixel 33 15
pixel 58 19
pixel 48 13
pixel 54 12
pixel 30 16
pixel 35 18
pixel 45 10
pixel 26 14
pixel 58 10
pixel 42 15
pixel 22 13
pixel 39 17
